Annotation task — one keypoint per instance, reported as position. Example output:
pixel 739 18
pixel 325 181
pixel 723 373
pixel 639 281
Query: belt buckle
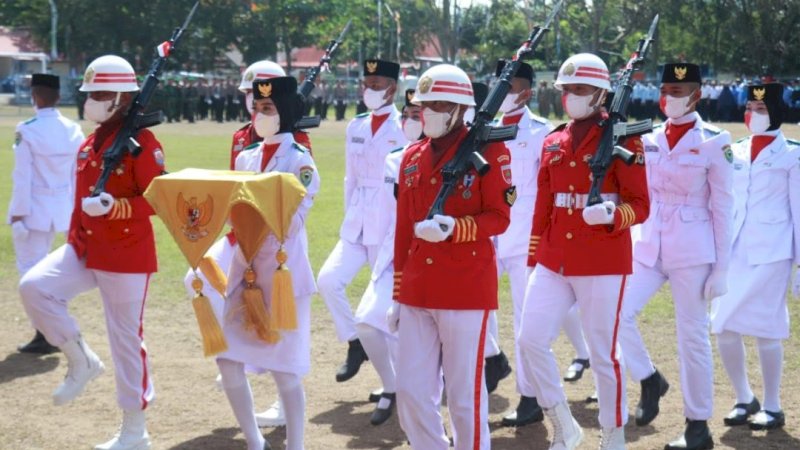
pixel 573 200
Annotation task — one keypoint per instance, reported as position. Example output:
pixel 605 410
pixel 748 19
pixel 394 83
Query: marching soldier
pixel 766 176
pixel 377 337
pixel 686 241
pixel 110 246
pixel 445 271
pixel 288 360
pixel 581 255
pixel 43 182
pixel 369 138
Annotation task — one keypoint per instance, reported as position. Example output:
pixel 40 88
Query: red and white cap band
pixel 114 78
pixel 452 87
pixel 591 72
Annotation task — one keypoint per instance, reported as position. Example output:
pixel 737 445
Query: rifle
pixel 615 126
pixel 469 153
pixel 135 119
pixel 305 88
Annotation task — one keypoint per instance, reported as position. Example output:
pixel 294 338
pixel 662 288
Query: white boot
pixel 82 366
pixel 567 434
pixel 273 417
pixel 612 438
pixel 132 435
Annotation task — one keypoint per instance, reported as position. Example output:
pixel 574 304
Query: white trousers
pixel 46 292
pixel 692 323
pixel 547 301
pixel 222 253
pixel 32 249
pixel 432 341
pixel 342 265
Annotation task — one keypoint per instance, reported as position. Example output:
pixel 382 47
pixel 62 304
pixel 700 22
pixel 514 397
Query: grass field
pixel 190 414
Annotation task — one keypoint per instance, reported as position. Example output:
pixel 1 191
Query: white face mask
pixel 265 125
pixel 412 129
pixel 469 115
pixel 676 107
pixel 579 107
pixel 374 99
pixel 757 123
pixel 509 103
pixel 99 111
pixel 248 102
pixel 436 124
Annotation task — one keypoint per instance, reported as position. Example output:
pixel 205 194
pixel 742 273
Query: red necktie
pixel 675 132
pixel 267 152
pixel 512 120
pixel 377 121
pixel 757 144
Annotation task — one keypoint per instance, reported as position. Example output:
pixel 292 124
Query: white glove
pixel 716 284
pixel 600 214
pixel 796 284
pixel 393 317
pixel 18 231
pixel 97 206
pixel 429 230
pixel 448 222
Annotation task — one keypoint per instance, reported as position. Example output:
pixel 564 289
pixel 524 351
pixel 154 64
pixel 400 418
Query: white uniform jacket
pixel 691 194
pixel 365 156
pixel 45 152
pixel 388 209
pixel 767 212
pixel 289 158
pixel 526 151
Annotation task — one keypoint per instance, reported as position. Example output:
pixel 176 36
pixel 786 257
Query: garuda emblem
pixel 194 217
pixel 372 66
pixel 265 90
pixel 759 93
pixel 680 73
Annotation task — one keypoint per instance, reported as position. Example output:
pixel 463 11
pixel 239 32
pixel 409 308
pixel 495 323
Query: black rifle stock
pixel 309 82
pixel 615 126
pixel 469 153
pixel 136 119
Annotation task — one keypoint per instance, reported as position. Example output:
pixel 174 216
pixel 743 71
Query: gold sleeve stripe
pixel 126 208
pixel 627 215
pixel 473 227
pixel 398 276
pixel 115 210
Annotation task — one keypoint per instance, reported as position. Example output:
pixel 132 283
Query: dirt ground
pixel 190 413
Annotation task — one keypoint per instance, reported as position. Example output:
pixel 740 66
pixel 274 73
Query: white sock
pixel 290 388
pixel 376 345
pixel 574 332
pixel 732 353
pixel 770 352
pixel 237 389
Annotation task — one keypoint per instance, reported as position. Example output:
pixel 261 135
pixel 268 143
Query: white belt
pixel 679 199
pixel 41 190
pixel 369 182
pixel 578 201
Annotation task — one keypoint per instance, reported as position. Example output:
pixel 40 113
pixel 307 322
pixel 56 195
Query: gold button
pixel 569 235
pixel 569 211
pixel 474 253
pixel 433 180
pixel 93 163
pixel 429 261
pixel 126 230
pixel 91 188
pixel 89 232
pixel 571 188
pixel 572 164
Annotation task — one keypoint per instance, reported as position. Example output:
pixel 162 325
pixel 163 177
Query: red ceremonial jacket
pixel 560 239
pixel 122 240
pixel 246 136
pixel 459 273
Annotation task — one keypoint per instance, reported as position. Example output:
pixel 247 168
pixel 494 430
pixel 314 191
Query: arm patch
pixel 510 195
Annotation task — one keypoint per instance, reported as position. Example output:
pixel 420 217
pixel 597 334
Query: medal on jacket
pixel 467 194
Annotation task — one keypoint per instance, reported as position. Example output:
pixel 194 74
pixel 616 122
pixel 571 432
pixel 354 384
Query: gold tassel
pixel 256 318
pixel 284 311
pixel 213 337
pixel 213 273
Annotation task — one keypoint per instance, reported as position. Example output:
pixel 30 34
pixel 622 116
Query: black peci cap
pixel 772 96
pixel 409 97
pixel 525 70
pixel 681 73
pixel 479 92
pixel 382 68
pixel 283 92
pixel 45 80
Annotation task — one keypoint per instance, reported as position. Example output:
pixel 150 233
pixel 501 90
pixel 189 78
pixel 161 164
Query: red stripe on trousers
pixel 142 351
pixel 476 412
pixel 614 360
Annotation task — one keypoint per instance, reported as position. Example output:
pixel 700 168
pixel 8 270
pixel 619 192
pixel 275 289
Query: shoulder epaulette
pixel 362 115
pixel 660 125
pixel 252 146
pixel 711 129
pixel 299 147
pixel 742 140
pixel 793 142
pixel 29 121
pixel 558 128
pixel 538 119
pixel 398 149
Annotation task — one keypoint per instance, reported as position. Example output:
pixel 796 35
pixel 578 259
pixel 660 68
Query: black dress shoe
pixel 767 420
pixel 528 411
pixel 381 415
pixel 375 395
pixel 653 388
pixel 38 345
pixel 696 437
pixel 495 369
pixel 734 418
pixel 592 398
pixel 355 357
pixel 574 374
